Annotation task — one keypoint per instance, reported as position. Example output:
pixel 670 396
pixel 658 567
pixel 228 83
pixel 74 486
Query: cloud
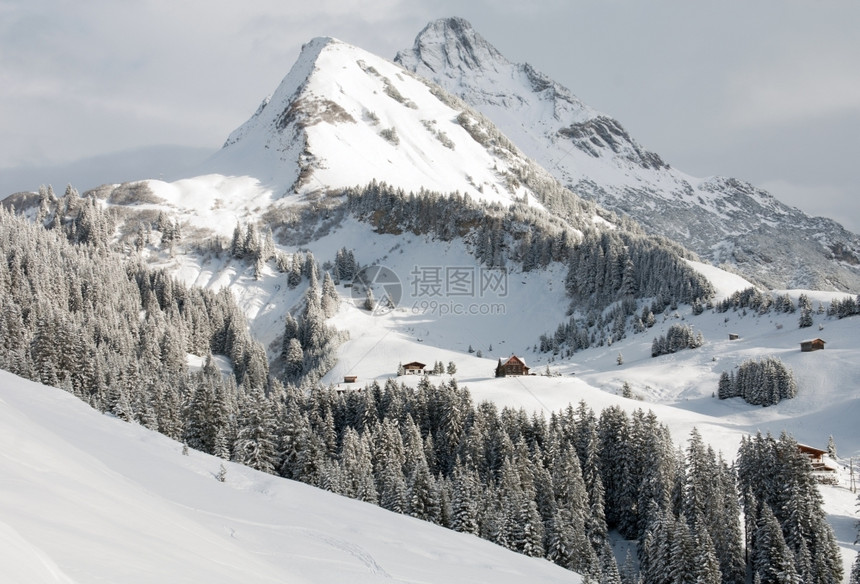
pixel 810 86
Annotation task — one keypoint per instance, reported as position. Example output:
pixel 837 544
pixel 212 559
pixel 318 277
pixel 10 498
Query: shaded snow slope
pixel 87 498
pixel 721 219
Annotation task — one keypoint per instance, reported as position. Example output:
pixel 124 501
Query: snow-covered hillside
pixel 721 219
pixel 90 498
pixel 87 498
pixel 680 388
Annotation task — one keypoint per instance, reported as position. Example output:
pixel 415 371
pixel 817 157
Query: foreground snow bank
pixel 88 498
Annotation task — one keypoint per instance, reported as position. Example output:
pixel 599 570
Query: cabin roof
pixel 811 449
pixel 514 359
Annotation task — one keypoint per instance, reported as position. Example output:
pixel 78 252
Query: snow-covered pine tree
pixel 369 300
pixel 256 443
pixel 357 468
pixel 422 495
pixel 855 571
pixel 330 300
pixel 295 359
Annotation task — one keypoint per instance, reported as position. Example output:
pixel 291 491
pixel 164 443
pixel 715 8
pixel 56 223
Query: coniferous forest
pixel 116 334
pixel 678 337
pixel 762 382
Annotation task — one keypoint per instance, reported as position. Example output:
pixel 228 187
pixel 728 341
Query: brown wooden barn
pixel 811 345
pixel 512 366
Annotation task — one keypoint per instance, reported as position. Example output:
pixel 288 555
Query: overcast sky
pixel 767 91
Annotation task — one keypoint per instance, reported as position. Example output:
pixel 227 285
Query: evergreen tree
pixel 256 444
pixel 330 300
pixel 295 358
pixel 464 500
pixel 805 320
pixel 776 479
pixel 772 560
pixel 764 382
pixel 369 300
pixel 357 468
pixel 422 496
pixel 291 331
pixel 855 571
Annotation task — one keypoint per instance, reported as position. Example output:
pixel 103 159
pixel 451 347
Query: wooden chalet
pixel 350 378
pixel 816 458
pixel 811 345
pixel 512 366
pixel 414 368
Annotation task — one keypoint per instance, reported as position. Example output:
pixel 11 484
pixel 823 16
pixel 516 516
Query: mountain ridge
pixel 342 118
pixel 724 220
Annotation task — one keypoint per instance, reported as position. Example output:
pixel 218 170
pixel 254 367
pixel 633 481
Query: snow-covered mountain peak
pixel 344 117
pixel 298 75
pixel 450 52
pixel 452 43
pixel 723 220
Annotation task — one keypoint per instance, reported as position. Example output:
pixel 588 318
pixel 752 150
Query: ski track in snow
pixel 352 549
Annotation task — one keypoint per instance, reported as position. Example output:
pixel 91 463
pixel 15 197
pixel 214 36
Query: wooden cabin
pixel 811 345
pixel 350 378
pixel 512 366
pixel 816 457
pixel 734 336
pixel 414 368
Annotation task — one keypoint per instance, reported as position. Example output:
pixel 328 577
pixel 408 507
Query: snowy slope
pixel 344 117
pixel 679 388
pixel 87 498
pixel 721 219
